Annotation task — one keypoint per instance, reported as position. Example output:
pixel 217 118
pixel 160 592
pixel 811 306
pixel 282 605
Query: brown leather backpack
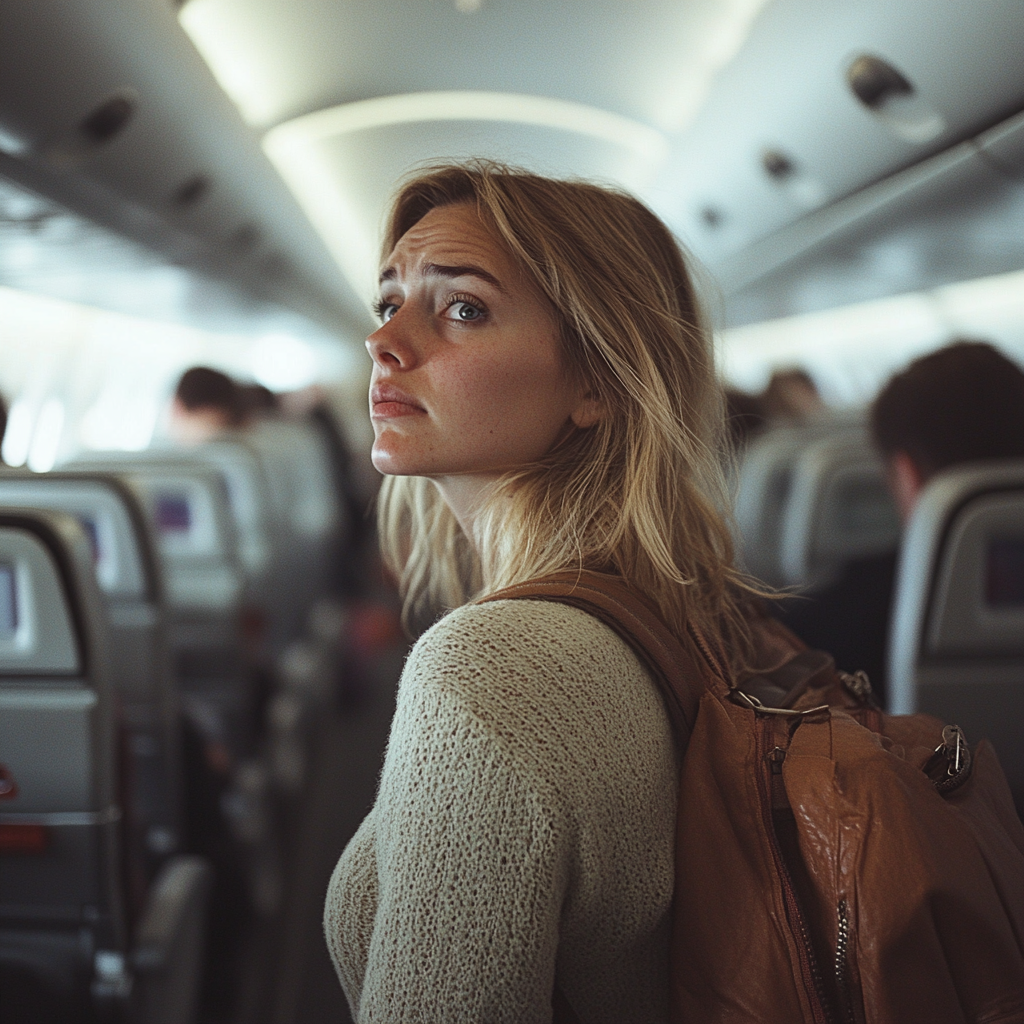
pixel 834 864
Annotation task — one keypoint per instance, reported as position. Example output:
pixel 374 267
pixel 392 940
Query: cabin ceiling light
pixel 282 362
pixel 417 107
pixel 715 45
pixel 215 33
pixel 296 148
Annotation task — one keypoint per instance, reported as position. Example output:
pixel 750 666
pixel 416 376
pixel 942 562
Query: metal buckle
pixel 954 745
pixel 746 700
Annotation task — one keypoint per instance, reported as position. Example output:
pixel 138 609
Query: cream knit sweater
pixel 523 831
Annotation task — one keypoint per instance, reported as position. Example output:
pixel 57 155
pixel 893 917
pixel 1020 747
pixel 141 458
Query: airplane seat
pixel 763 490
pixel 309 514
pixel 139 660
pixel 187 508
pixel 67 950
pixel 957 635
pixel 63 925
pixel 839 509
pixel 265 617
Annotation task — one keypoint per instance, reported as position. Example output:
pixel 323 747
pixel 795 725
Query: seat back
pixel 957 636
pixel 188 509
pixel 62 914
pixel 763 491
pixel 262 547
pixel 126 572
pixel 839 509
pixel 308 514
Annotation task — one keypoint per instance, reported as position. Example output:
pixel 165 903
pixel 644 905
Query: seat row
pixel 811 499
pixel 152 606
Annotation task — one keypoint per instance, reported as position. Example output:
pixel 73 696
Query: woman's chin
pixel 392 463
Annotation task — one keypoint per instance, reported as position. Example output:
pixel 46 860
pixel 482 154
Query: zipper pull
pixel 775 759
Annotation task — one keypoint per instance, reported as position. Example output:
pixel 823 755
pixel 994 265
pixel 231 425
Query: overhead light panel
pixel 217 35
pixel 539 111
pixel 296 148
pixel 715 46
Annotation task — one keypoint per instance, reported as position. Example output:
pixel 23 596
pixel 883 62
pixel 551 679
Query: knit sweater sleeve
pixel 472 841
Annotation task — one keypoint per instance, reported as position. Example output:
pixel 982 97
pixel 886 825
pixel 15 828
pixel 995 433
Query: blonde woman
pixel 543 398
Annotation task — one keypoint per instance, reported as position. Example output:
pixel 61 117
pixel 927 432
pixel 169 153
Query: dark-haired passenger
pixel 963 403
pixel 206 402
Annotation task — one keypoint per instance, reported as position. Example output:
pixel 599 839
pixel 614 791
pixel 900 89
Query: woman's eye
pixel 384 310
pixel 464 311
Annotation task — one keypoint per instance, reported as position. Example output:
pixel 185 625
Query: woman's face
pixel 467 380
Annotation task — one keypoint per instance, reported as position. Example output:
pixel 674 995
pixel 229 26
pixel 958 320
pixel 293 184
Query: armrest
pixel 168 951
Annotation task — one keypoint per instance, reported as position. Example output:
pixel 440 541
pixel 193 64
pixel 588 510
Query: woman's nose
pixel 389 346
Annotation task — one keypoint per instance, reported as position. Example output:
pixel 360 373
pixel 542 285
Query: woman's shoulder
pixel 544 632
pixel 498 657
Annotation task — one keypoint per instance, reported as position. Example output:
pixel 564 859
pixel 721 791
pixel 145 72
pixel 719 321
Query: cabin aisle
pixel 348 752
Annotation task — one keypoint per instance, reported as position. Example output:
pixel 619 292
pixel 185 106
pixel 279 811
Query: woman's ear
pixel 587 412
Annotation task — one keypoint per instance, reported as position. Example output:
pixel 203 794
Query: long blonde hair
pixel 641 493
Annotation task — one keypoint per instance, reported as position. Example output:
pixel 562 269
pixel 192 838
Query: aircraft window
pixel 173 513
pixel 1004 575
pixel 8 601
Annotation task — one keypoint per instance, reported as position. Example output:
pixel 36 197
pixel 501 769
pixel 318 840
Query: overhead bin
pixel 108 109
pixel 957 215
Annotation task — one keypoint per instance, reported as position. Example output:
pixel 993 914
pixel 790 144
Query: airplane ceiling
pixel 734 119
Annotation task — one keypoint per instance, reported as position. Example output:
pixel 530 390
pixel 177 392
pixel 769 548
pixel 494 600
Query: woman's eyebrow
pixel 442 270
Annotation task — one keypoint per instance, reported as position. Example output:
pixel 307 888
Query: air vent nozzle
pixel 891 97
pixel 874 82
pixel 777 165
pixel 191 191
pixel 107 120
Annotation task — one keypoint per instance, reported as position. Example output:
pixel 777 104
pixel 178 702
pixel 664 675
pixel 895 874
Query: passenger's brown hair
pixel 963 403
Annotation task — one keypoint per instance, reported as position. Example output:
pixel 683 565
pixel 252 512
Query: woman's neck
pixel 466 496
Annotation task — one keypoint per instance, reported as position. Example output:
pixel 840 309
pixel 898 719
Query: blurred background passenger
pixel 792 397
pixel 744 415
pixel 963 403
pixel 256 401
pixel 206 402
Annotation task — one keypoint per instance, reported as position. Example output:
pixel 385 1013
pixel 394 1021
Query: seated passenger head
pixel 257 401
pixel 607 459
pixel 963 403
pixel 792 396
pixel 205 403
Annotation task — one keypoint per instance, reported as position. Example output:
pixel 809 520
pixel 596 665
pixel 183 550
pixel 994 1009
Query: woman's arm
pixel 472 847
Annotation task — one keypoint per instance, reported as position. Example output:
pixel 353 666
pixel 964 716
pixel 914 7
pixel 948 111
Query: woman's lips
pixel 388 401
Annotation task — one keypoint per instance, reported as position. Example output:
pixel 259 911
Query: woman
pixel 543 398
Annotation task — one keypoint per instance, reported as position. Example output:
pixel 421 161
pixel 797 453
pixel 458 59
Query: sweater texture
pixel 523 831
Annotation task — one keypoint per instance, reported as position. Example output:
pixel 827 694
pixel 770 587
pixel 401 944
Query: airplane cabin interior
pixel 199 645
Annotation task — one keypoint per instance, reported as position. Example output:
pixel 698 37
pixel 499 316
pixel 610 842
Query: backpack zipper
pixel 842 950
pixel 809 969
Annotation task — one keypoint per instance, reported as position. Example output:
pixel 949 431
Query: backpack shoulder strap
pixel 681 673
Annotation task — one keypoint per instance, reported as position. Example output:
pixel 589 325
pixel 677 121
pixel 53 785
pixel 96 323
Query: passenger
pixel 206 402
pixel 543 398
pixel 960 404
pixel 256 402
pixel 745 416
pixel 792 398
